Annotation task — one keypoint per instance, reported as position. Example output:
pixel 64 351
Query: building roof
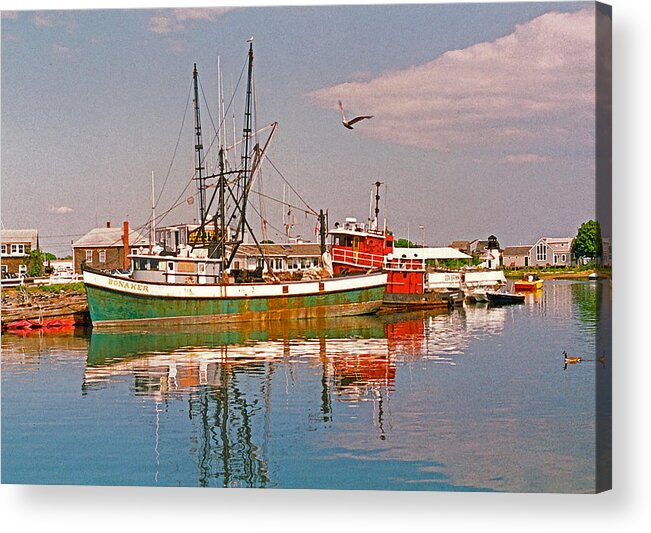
pixel 558 244
pixel 429 253
pixel 109 237
pixel 478 245
pixel 460 245
pixel 522 249
pixel 20 236
pixel 301 249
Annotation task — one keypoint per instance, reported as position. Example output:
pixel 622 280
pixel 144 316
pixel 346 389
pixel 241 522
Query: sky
pixel 483 115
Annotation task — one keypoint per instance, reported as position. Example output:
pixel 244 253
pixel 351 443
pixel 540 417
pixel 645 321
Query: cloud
pixel 60 49
pixel 525 158
pixel 531 88
pixel 62 210
pixel 43 20
pixel 176 20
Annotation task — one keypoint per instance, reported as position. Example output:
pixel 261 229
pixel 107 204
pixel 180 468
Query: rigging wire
pixel 178 140
pixel 312 211
pixel 230 103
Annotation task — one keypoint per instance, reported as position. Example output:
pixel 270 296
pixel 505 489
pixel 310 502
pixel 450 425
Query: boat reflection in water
pixel 226 374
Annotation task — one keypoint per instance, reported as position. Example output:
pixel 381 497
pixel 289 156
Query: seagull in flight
pixel 349 123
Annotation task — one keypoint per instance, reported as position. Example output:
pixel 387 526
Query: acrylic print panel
pixel 317 258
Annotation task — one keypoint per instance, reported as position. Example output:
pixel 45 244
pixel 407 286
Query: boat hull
pixel 114 301
pixel 528 285
pixel 498 298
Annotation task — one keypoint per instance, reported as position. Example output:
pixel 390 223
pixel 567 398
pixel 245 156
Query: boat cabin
pixel 179 269
pixel 356 247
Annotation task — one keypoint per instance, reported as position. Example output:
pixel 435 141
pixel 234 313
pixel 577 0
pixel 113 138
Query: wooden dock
pixel 39 306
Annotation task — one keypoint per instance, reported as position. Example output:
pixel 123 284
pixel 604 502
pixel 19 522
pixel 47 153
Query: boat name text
pixel 129 285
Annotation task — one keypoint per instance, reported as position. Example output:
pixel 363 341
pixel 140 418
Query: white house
pixel 552 251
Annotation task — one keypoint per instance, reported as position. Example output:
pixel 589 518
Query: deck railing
pixel 367 260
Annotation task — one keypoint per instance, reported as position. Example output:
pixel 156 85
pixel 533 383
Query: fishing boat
pixel 198 285
pixel 356 247
pixel 115 300
pixel 530 282
pixel 504 298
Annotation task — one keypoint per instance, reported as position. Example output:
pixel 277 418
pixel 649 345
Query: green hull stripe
pixel 109 307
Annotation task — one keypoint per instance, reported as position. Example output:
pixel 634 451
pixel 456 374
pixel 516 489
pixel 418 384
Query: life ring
pixel 189 280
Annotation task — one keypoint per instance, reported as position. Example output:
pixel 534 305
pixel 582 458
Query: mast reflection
pixel 226 377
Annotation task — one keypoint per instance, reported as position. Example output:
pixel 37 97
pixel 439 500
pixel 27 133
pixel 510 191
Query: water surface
pixel 476 399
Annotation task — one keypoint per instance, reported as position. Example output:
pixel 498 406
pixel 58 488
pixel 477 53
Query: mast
pixel 247 140
pixel 222 215
pixel 198 146
pixel 377 202
pixel 153 212
pixel 322 231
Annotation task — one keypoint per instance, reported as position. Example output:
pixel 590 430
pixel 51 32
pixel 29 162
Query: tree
pixel 34 264
pixel 404 243
pixel 588 240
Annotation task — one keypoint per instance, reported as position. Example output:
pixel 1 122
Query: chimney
pixel 108 224
pixel 125 239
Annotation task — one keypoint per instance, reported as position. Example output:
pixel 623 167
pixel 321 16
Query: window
pixel 563 258
pixel 89 256
pixel 3 268
pixel 22 269
pixel 102 256
pixel 555 259
pixel 17 249
pixel 134 251
pixel 4 249
pixel 541 252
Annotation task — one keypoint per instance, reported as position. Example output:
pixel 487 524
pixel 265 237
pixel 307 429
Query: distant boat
pixel 504 298
pixel 530 282
pixel 593 276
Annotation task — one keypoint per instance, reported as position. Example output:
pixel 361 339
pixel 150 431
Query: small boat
pixel 504 298
pixel 593 276
pixel 530 282
pixel 476 297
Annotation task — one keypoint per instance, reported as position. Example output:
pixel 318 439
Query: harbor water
pixel 473 399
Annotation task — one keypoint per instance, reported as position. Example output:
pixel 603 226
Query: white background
pixel 625 508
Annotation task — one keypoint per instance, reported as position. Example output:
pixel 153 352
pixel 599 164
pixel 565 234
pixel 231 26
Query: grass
pixel 55 289
pixel 576 271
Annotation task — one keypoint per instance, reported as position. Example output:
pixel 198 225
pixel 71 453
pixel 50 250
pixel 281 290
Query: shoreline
pixel 583 274
pixel 65 302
